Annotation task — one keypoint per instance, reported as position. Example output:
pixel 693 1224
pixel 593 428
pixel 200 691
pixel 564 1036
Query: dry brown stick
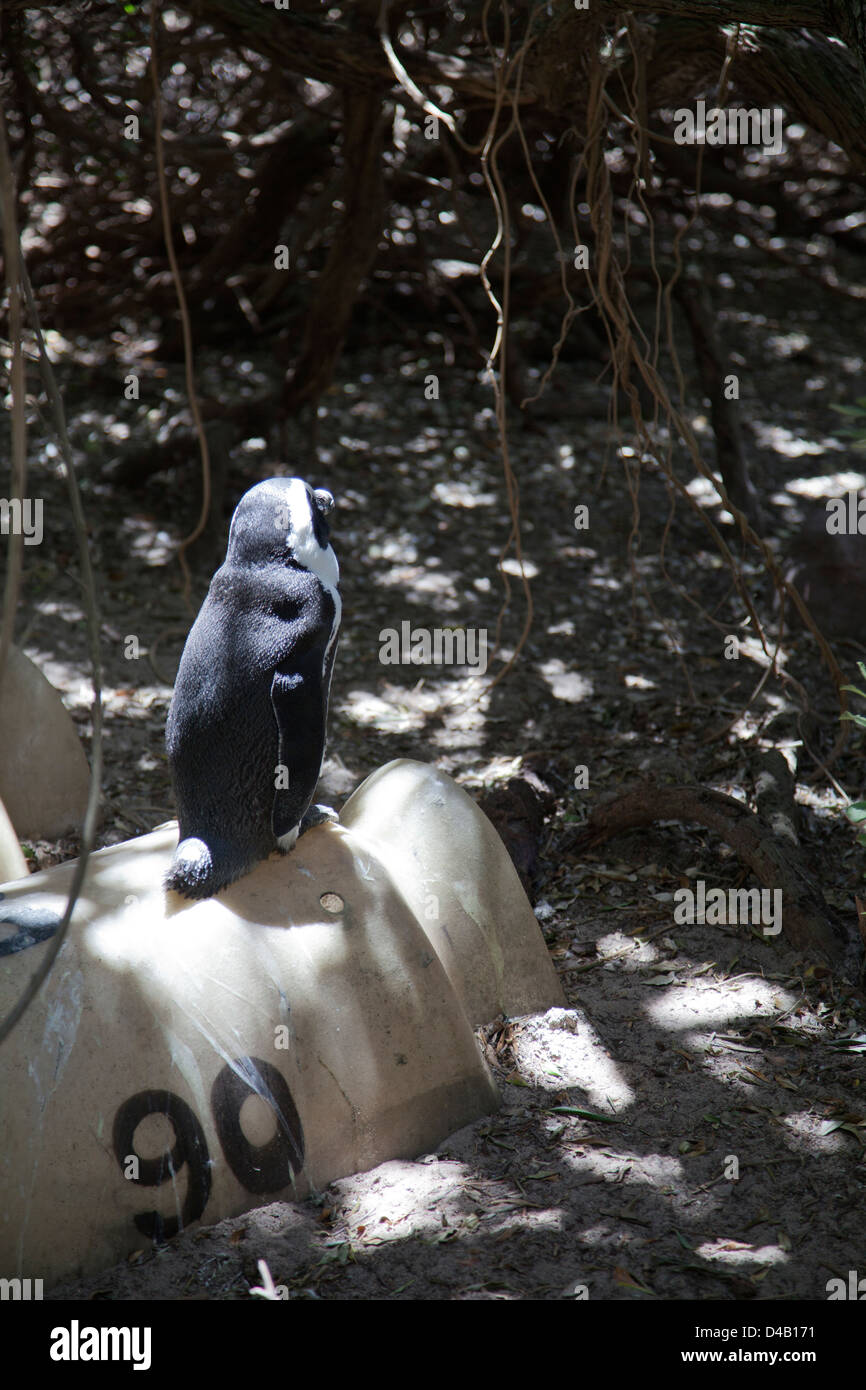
pixel 88 832
pixel 775 788
pixel 808 922
pixel 499 351
pixel 353 249
pixel 16 384
pixel 184 312
pixel 712 369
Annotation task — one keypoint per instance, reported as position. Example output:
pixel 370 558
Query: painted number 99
pixel 259 1168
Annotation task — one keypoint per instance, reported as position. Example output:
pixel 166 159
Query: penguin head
pixel 284 520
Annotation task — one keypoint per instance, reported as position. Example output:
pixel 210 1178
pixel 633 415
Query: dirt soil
pixel 694 1124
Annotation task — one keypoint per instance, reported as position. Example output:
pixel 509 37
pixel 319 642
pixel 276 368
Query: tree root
pixel 808 922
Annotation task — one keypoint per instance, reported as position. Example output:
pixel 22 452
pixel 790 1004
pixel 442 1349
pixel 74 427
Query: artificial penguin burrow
pixel 246 726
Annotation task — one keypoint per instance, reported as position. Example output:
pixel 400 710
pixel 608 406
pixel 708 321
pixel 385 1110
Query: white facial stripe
pixel 301 539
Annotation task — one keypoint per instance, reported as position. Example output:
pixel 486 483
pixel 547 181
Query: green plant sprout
pixel 856 432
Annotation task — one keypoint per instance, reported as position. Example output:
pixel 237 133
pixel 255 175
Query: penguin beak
pixel 324 500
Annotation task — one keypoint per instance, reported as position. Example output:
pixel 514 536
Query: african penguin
pixel 246 725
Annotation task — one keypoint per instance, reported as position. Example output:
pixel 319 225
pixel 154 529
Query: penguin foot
pixel 318 815
pixel 287 841
pixel 192 870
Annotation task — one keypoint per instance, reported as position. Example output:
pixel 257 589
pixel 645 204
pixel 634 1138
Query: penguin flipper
pixel 300 720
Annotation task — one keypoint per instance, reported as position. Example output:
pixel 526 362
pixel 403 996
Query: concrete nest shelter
pixel 187 1062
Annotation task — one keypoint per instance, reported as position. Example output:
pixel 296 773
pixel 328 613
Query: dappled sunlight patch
pixel 135 702
pixel 400 712
pixel 826 484
pixel 147 541
pixel 493 770
pixel 599 580
pixel 631 1169
pixel 524 568
pixel 704 491
pixel 565 685
pixel 787 344
pixel 435 1199
pixel 462 494
pixel 561 1048
pixel 808 1133
pixel 400 545
pixel 739 1253
pixel 611 944
pixel 704 1002
pixel 788 444
pixel 444 586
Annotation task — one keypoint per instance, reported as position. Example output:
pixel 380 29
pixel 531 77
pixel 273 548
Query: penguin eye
pixel 323 500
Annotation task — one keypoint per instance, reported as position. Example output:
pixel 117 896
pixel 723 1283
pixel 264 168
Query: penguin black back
pixel 246 725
